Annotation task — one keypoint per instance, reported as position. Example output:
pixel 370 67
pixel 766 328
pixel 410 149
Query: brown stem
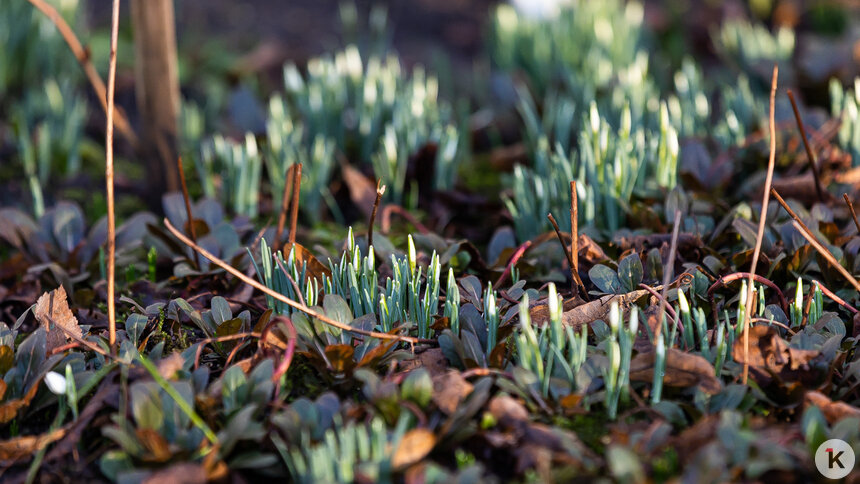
pixel 294 209
pixel 561 240
pixel 285 203
pixel 280 297
pixel 853 213
pixel 761 222
pixel 83 58
pixel 668 269
pixel 391 209
pixel 191 229
pixel 380 190
pixel 512 262
pixel 810 237
pixel 788 209
pixel 810 155
pixel 838 300
pixel 111 242
pixel 722 281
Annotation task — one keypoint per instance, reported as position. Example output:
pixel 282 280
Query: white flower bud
pixel 56 383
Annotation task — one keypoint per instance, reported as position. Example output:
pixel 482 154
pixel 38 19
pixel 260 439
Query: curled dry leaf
pixel 52 309
pixel 589 312
pixel 316 269
pixel 432 359
pixel 507 410
pixel 769 353
pixel 682 370
pixel 9 410
pixel 27 445
pixel 449 390
pixel 832 411
pixel 414 446
pixel 362 191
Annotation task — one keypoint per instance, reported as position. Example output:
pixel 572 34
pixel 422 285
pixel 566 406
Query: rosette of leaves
pixel 336 354
pixel 60 243
pixel 22 369
pixel 220 236
pixel 479 338
pixel 166 425
pixel 320 442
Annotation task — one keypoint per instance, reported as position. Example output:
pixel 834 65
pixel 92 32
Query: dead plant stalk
pixel 111 242
pixel 761 224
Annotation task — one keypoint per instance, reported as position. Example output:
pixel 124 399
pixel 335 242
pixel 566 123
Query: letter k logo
pixel 834 459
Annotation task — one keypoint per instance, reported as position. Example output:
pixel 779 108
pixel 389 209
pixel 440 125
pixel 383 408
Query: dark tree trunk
pixel 157 89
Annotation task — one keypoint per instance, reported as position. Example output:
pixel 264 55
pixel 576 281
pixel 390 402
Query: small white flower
pixel 56 382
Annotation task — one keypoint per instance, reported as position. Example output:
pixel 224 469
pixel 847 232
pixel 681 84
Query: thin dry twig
pixel 788 209
pixel 285 204
pixel 724 280
pixel 761 223
pixel 280 297
pixel 574 238
pixel 83 58
pixel 810 155
pixel 380 190
pixel 810 237
pixel 392 209
pixel 667 275
pixel 294 209
pixel 561 241
pixel 188 212
pixel 838 300
pixel 517 255
pixel 111 242
pixel 853 213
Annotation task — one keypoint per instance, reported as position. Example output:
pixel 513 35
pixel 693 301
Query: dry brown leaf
pixel 316 269
pixel 449 390
pixel 182 473
pixel 507 410
pixel 9 410
pixel 682 370
pixel 414 446
pixel 832 411
pixel 52 309
pixel 431 359
pixel 7 359
pixel 769 353
pixel 156 445
pixel 26 446
pixel 589 312
pixel 362 191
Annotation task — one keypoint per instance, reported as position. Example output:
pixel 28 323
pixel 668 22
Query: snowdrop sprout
pixel 56 383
